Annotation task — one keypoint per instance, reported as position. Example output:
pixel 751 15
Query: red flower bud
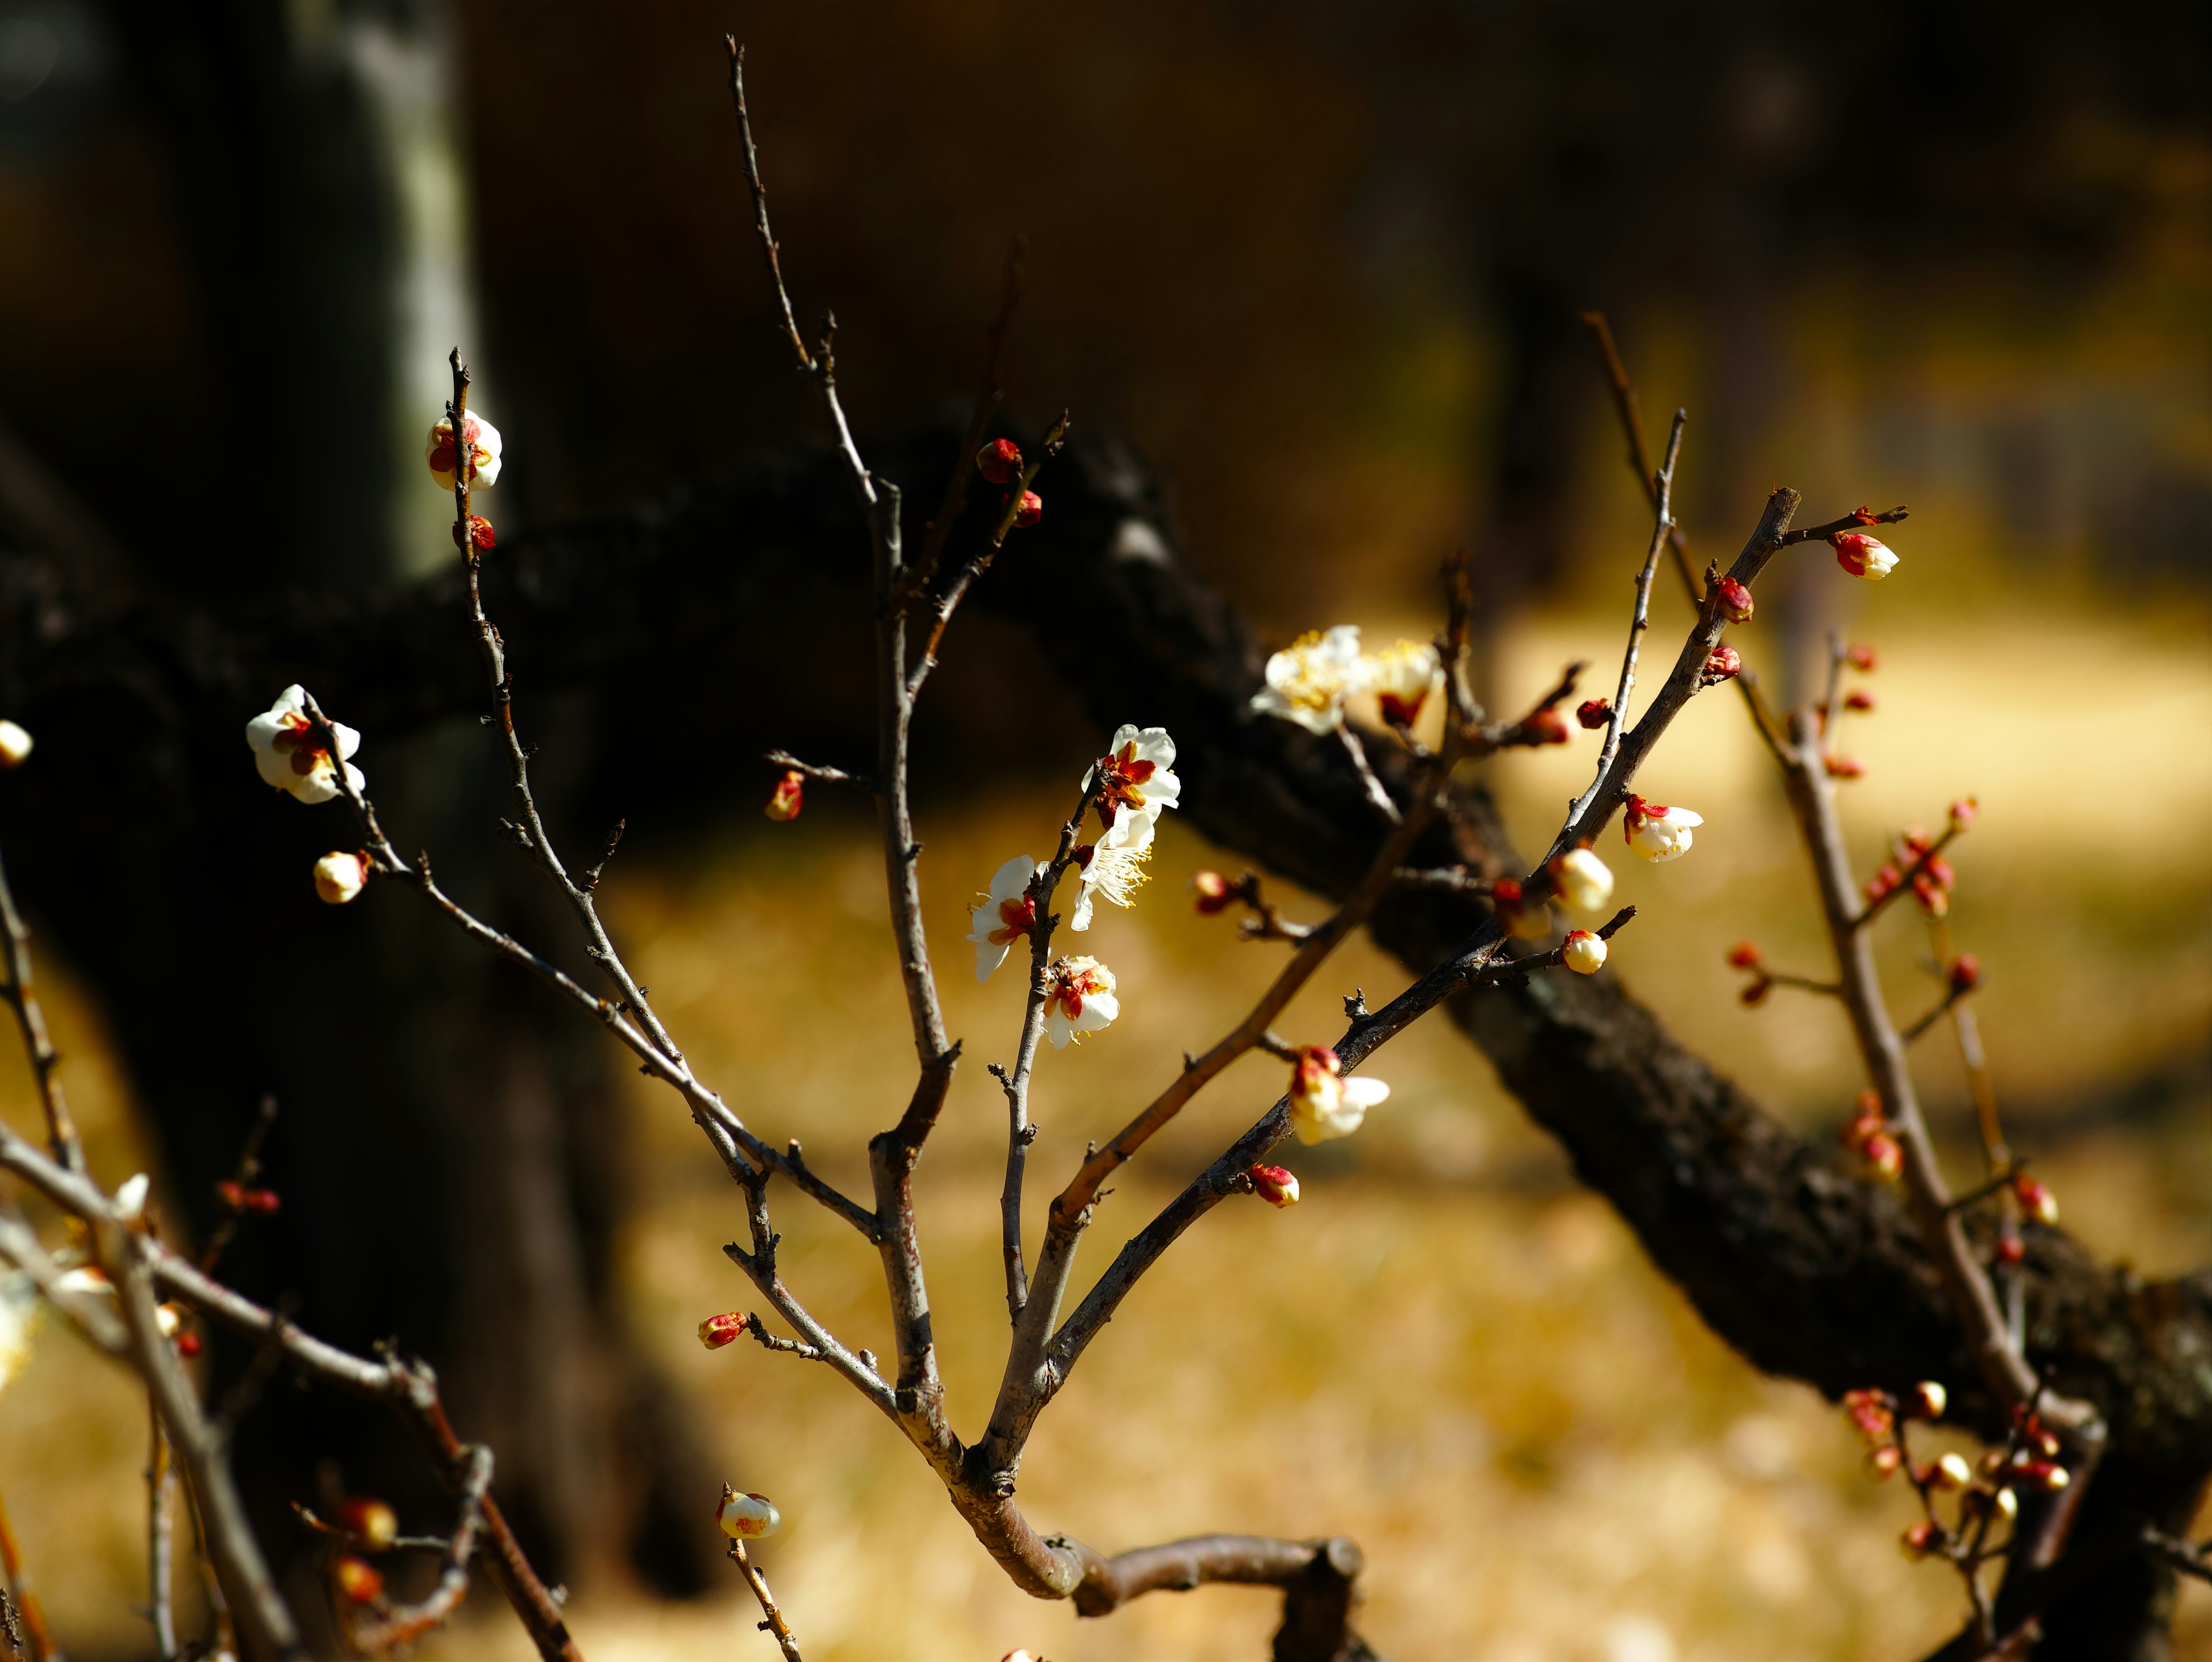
pixel 2035 1200
pixel 188 1344
pixel 1213 891
pixel 789 796
pixel 999 460
pixel 1870 1411
pixel 369 1520
pixel 1885 1459
pixel 1504 893
pixel 1722 664
pixel 1858 700
pixel 1030 511
pixel 1594 713
pixel 1275 1185
pixel 1883 1153
pixel 1921 1539
pixel 1547 726
pixel 1964 810
pixel 1744 956
pixel 358 1580
pixel 232 1194
pixel 1843 767
pixel 2044 1474
pixel 1883 881
pixel 2011 1249
pixel 266 1201
pixel 1966 973
pixel 718 1330
pixel 1861 658
pixel 1735 601
pixel 480 533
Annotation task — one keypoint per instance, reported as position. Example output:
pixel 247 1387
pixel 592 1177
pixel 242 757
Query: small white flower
pixel 1136 779
pixel 15 745
pixel 130 1197
pixel 284 749
pixel 1585 883
pixel 1323 1103
pixel 1005 915
pixel 1309 680
pixel 483 451
pixel 747 1517
pixel 1657 832
pixel 1078 999
pixel 18 1320
pixel 1113 868
pixel 1584 953
pixel 339 877
pixel 1401 677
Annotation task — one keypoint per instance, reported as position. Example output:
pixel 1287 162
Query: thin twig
pixel 773 1622
pixel 405 1623
pixel 46 1061
pixel 33 1616
pixel 1376 792
pixel 160 1520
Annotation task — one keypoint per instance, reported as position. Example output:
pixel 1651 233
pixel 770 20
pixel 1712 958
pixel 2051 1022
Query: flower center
pixel 1017 917
pixel 1122 778
pixel 298 742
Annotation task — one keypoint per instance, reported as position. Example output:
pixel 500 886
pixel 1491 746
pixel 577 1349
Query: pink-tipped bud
pixel 1211 893
pixel 718 1330
pixel 369 1520
pixel 1883 882
pixel 788 797
pixel 1031 510
pixel 1275 1185
pixel 1745 956
pixel 1868 1411
pixel 1735 601
pixel 1966 973
pixel 1862 657
pixel 1861 702
pixel 1920 1541
pixel 2036 1201
pixel 1885 1459
pixel 1723 663
pixel 1883 1153
pixel 1963 811
pixel 1926 1400
pixel 1843 767
pixel 2011 1250
pixel 999 460
pixel 1863 555
pixel 358 1580
pixel 1594 713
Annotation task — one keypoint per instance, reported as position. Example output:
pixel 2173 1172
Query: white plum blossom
pixel 1401 677
pixel 284 749
pixel 1113 868
pixel 1309 680
pixel 1078 999
pixel 1584 882
pixel 1323 1103
pixel 1657 832
pixel 1584 953
pixel 1005 915
pixel 483 451
pixel 1136 779
pixel 747 1517
pixel 339 877
pixel 15 744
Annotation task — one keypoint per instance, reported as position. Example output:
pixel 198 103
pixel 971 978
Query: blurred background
pixel 1322 265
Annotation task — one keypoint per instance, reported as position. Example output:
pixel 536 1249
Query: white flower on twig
pixel 1004 914
pixel 286 751
pixel 1136 779
pixel 1113 868
pixel 1323 1103
pixel 1657 832
pixel 747 1517
pixel 1309 680
pixel 1078 999
pixel 1584 882
pixel 1401 677
pixel 339 877
pixel 483 451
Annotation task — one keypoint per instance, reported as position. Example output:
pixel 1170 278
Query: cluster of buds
pixel 239 1201
pixel 1747 956
pixel 789 796
pixel 1839 765
pixel 718 1330
pixel 1867 1134
pixel 999 462
pixel 1913 860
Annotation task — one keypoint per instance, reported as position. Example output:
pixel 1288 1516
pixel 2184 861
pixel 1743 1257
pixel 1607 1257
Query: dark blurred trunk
pixel 448 1139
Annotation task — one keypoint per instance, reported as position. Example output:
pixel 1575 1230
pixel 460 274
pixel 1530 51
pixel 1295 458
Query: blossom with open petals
pixel 1863 555
pixel 1402 676
pixel 1078 998
pixel 287 753
pixel 1657 832
pixel 1005 915
pixel 1113 867
pixel 1323 1103
pixel 339 877
pixel 483 451
pixel 1135 778
pixel 1584 882
pixel 1309 680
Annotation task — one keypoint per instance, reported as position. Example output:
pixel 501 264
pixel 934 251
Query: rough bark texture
pixel 1810 1273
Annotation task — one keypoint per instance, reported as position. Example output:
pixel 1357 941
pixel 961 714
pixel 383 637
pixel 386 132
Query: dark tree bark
pixel 1808 1271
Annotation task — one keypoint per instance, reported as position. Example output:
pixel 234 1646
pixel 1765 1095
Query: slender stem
pixel 1376 792
pixel 1640 618
pixel 46 1061
pixel 772 1622
pixel 43 1648
pixel 160 1520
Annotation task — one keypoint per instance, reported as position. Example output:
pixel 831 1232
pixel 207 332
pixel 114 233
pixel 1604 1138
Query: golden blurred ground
pixel 1446 1351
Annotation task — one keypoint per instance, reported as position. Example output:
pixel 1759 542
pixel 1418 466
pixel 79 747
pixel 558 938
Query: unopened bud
pixel 1860 657
pixel 1843 767
pixel 1745 956
pixel 2044 1474
pixel 15 745
pixel 1735 601
pixel 1863 555
pixel 188 1345
pixel 1858 700
pixel 130 1197
pixel 1927 1400
pixel 1921 1540
pixel 1883 1153
pixel 1275 1185
pixel 789 796
pixel 1583 881
pixel 1884 882
pixel 1723 663
pixel 1966 973
pixel 339 877
pixel 1031 510
pixel 358 1580
pixel 747 1517
pixel 1885 1459
pixel 1951 1472
pixel 999 460
pixel 1594 713
pixel 481 535
pixel 1584 953
pixel 369 1520
pixel 1547 726
pixel 1964 810
pixel 2036 1201
pixel 2011 1249
pixel 1505 892
pixel 169 1318
pixel 718 1330
pixel 1211 893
